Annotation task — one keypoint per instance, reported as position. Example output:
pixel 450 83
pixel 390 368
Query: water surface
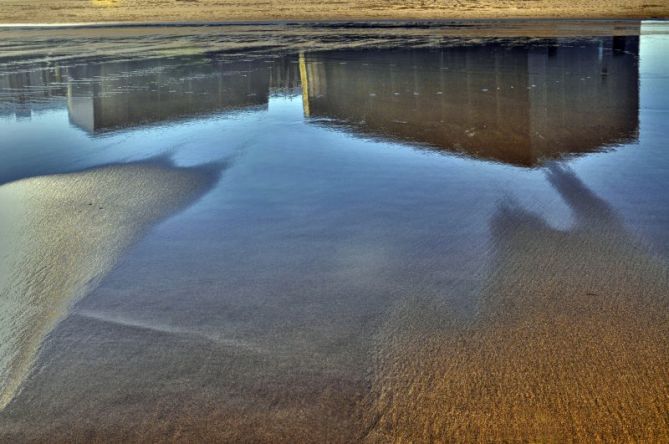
pixel 382 234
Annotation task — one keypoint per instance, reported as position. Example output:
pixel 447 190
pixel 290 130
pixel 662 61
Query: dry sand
pixel 59 235
pixel 569 341
pixel 77 11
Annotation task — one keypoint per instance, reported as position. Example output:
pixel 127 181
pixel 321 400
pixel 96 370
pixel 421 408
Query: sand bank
pixel 569 341
pixel 77 11
pixel 59 235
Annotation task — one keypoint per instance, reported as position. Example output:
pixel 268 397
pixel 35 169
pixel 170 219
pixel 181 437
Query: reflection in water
pixel 569 341
pixel 141 92
pixel 36 89
pixel 518 104
pixel 332 287
pixel 114 95
pixel 514 104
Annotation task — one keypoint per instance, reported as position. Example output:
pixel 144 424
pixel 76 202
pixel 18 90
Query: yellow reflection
pixel 304 79
pixel 106 3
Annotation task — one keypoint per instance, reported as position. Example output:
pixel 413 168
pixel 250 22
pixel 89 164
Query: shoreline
pixel 364 23
pixel 73 12
pixel 137 40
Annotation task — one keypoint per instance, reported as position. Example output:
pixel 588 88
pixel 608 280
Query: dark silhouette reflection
pixel 514 104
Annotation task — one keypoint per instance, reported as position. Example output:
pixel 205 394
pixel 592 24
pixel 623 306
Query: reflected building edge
pixel 514 104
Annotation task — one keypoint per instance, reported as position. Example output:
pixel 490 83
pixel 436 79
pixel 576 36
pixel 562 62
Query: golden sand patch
pixel 570 341
pixel 73 11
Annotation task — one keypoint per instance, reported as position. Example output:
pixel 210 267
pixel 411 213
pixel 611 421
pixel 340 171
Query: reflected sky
pixel 362 178
pixel 514 101
pixel 487 107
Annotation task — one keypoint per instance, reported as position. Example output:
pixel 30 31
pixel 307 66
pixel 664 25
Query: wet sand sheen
pixel 268 313
pixel 569 342
pixel 59 235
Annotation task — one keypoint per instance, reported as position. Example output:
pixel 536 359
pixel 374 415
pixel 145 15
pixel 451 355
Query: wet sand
pixel 61 234
pixel 569 341
pixel 331 288
pixel 77 11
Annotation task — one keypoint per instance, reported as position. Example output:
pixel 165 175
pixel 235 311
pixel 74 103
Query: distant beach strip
pixel 123 11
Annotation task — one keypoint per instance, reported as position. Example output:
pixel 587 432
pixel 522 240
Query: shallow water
pixel 414 234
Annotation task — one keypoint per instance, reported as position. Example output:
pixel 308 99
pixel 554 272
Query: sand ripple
pixel 570 341
pixel 59 235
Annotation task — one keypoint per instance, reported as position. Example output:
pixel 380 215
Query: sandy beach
pixel 78 11
pixel 568 341
pixel 449 233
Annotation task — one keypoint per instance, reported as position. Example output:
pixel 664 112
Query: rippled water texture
pixel 335 233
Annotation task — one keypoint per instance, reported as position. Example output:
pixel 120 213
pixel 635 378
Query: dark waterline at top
pixel 357 24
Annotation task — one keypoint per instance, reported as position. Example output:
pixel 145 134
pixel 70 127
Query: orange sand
pixel 69 11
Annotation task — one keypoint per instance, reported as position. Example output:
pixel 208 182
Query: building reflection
pixel 152 91
pixel 112 95
pixel 518 102
pixel 514 104
pixel 38 89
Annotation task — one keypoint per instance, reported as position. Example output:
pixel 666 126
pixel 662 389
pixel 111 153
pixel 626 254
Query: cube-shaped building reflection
pixel 514 103
pixel 115 95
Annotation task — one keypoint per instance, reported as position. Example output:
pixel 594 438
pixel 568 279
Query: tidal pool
pixel 335 233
